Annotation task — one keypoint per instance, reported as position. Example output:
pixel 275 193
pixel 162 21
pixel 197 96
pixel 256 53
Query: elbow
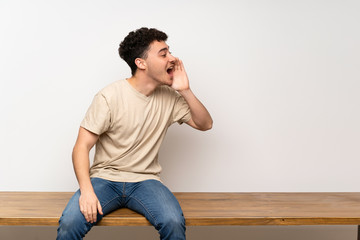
pixel 210 126
pixel 207 126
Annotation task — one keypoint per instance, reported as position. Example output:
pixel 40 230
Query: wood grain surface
pixel 45 208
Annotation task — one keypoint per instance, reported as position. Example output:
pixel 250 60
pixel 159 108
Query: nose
pixel 171 58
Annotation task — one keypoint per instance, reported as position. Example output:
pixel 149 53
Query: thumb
pixel 99 208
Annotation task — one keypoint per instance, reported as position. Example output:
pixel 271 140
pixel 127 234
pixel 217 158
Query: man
pixel 127 121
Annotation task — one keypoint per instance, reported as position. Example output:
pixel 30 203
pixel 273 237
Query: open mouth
pixel 170 70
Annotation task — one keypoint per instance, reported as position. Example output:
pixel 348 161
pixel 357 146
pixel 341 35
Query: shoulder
pixel 112 89
pixel 112 93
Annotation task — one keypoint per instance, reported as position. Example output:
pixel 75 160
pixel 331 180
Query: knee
pixel 72 227
pixel 67 223
pixel 172 225
pixel 174 220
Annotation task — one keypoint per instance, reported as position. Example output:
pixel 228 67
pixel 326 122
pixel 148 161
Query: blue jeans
pixel 149 198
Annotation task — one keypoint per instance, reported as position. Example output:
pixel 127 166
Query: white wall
pixel 280 78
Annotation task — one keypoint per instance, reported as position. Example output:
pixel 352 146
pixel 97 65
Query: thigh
pixel 72 224
pixel 108 197
pixel 155 201
pixel 108 193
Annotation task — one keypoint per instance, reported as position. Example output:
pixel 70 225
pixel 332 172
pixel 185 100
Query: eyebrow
pixel 164 49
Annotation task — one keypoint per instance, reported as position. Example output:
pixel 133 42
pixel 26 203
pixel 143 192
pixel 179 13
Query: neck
pixel 143 85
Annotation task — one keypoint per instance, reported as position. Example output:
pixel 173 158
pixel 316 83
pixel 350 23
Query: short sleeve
pixel 98 117
pixel 181 112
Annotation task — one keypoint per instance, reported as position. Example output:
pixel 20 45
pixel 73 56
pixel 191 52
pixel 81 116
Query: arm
pixel 200 117
pixel 88 202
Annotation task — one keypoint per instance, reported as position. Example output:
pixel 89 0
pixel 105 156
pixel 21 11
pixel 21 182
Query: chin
pixel 168 82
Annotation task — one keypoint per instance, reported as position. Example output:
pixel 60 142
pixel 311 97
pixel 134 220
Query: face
pixel 160 63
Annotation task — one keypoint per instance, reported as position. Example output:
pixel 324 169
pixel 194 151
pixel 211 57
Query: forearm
pixel 81 165
pixel 88 201
pixel 199 114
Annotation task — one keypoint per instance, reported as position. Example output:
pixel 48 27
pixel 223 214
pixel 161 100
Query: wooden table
pixel 200 209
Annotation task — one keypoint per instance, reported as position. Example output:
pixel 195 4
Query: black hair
pixel 136 44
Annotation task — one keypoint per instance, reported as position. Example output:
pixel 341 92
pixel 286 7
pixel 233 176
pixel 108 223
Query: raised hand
pixel 180 79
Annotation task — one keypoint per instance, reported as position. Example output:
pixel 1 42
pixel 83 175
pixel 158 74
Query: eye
pixel 165 53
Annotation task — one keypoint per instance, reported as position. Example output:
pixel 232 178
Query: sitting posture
pixel 127 121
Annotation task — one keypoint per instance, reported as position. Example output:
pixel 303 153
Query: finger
pixel 93 214
pixel 100 208
pixel 83 211
pixel 177 64
pixel 181 65
pixel 86 215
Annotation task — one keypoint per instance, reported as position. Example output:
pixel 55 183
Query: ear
pixel 140 63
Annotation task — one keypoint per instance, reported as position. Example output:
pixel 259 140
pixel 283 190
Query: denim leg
pixel 73 225
pixel 155 201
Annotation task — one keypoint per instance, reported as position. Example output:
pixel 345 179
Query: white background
pixel 280 78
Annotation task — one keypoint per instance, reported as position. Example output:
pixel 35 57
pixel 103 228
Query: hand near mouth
pixel 180 79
